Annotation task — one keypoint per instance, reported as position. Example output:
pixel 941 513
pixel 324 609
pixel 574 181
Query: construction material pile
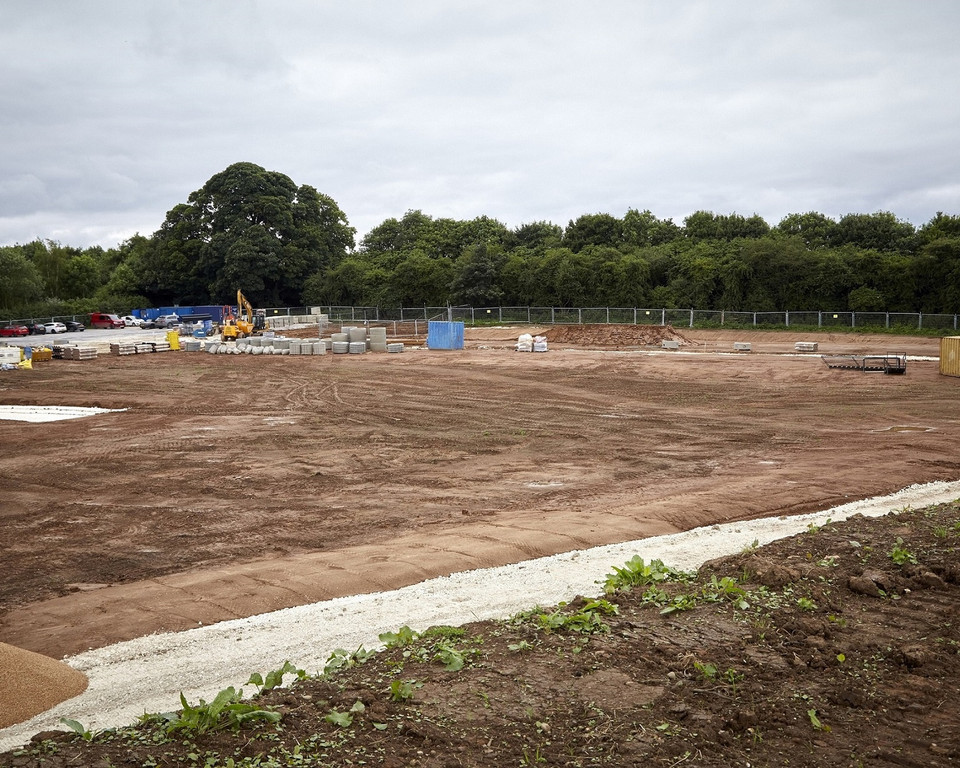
pixel 615 336
pixel 350 340
pixel 138 347
pixel 529 343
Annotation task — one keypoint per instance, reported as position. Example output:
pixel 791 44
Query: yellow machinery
pixel 228 325
pixel 250 323
pixel 256 322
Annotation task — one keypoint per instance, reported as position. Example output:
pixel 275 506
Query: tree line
pixel 289 245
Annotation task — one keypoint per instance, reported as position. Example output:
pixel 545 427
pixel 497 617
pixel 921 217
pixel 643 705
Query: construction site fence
pixel 691 318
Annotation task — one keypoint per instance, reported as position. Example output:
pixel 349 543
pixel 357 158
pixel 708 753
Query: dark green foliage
pixel 288 245
pixel 247 229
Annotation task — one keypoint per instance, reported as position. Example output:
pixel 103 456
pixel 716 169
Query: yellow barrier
pixel 173 339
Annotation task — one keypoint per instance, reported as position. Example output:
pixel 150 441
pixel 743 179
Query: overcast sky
pixel 115 111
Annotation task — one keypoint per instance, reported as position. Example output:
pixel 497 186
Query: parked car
pixel 147 323
pixel 37 328
pixel 14 330
pixel 131 321
pixel 167 321
pixel 105 320
pixel 73 325
pixel 55 327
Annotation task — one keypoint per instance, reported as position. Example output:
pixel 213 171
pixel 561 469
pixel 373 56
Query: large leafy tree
pixel 477 277
pixel 814 229
pixel 881 231
pixel 247 228
pixel 21 282
pixel 644 229
pixel 593 229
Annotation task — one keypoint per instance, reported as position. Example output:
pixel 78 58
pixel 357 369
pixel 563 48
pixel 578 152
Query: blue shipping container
pixel 444 335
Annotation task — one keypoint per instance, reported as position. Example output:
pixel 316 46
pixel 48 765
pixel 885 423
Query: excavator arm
pixel 255 322
pixel 244 305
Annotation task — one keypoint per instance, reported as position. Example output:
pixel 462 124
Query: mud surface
pixel 836 647
pixel 234 485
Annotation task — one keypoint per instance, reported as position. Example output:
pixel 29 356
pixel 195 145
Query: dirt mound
pixel 32 683
pixel 616 336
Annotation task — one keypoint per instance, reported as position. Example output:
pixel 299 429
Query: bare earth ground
pixel 234 485
pixel 836 647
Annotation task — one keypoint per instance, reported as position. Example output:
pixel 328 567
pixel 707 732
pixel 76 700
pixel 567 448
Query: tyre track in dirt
pixel 295 480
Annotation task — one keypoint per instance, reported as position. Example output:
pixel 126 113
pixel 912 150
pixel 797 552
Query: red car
pixel 14 330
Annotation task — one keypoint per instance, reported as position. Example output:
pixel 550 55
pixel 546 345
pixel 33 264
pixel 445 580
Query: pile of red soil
pixel 617 336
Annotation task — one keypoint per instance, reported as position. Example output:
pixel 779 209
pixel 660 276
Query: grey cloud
pixel 115 112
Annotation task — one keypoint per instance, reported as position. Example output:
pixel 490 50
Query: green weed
pixel 342 659
pixel 226 711
pixel 901 555
pixel 725 588
pixel 679 603
pixel 586 621
pixel 636 573
pixel 806 604
pixel 77 728
pixel 275 677
pixel 344 719
pixel 404 690
pixel 399 639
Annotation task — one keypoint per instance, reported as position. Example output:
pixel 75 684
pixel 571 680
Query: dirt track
pixel 233 485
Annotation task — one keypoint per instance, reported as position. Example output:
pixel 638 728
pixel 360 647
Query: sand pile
pixel 33 683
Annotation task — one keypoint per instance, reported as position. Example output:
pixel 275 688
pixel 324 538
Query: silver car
pixel 167 321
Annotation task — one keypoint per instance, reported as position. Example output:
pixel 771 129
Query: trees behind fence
pixel 703 318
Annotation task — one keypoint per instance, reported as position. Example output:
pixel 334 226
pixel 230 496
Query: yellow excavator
pixel 253 324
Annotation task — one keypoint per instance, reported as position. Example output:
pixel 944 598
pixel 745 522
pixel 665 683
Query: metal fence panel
pixel 678 316
pixel 739 319
pixel 708 317
pixel 939 322
pixel 870 319
pixel 804 318
pixel 905 319
pixel 686 318
pixel 836 319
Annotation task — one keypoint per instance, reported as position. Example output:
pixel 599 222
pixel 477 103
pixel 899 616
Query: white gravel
pixel 42 413
pixel 148 674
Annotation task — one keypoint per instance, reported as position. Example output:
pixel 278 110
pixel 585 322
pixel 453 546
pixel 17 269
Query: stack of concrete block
pixel 805 346
pixel 80 353
pixel 741 346
pixel 378 339
pixel 123 348
pixel 10 355
pixel 395 346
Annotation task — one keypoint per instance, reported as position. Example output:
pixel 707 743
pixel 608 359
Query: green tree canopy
pixel 21 282
pixel 250 229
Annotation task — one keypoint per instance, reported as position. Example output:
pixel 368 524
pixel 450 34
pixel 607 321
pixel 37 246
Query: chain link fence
pixel 690 318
